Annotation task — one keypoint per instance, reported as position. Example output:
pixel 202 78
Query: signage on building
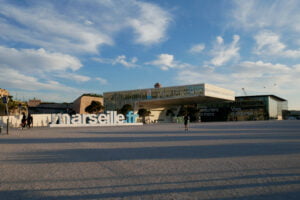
pixel 111 118
pixel 149 96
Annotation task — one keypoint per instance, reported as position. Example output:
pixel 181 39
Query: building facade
pixel 259 107
pixel 273 105
pixel 80 104
pixel 161 101
pixel 34 102
pixel 46 108
pixel 156 97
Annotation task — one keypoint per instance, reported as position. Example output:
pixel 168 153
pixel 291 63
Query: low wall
pixel 39 120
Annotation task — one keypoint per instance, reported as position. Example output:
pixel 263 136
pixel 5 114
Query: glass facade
pixel 115 100
pixel 233 111
pixel 276 108
pixel 245 108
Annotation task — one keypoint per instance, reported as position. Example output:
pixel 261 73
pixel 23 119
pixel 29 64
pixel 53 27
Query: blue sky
pixel 56 50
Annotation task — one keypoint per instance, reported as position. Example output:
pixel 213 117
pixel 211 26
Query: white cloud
pixel 102 81
pixel 276 26
pixel 31 69
pixel 118 60
pixel 14 79
pixel 33 61
pixel 58 27
pixel 256 77
pixel 266 14
pixel 166 62
pixel 220 40
pixel 200 76
pixel 268 43
pixel 297 67
pixel 224 53
pixel 51 33
pixel 151 23
pixel 103 60
pixel 122 60
pixel 88 22
pixel 72 76
pixel 197 48
pixel 262 67
pixel 48 28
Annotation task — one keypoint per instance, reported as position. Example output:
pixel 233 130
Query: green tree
pixel 182 111
pixel 143 113
pixel 191 111
pixel 13 106
pixel 170 113
pixel 92 95
pixel 125 109
pixel 2 108
pixel 94 107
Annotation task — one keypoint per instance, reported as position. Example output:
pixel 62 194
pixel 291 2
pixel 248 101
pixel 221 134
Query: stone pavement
pixel 225 160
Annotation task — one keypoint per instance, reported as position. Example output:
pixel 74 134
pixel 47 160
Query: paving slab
pixel 219 160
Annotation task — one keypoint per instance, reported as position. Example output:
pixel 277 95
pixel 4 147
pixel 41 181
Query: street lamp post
pixel 5 101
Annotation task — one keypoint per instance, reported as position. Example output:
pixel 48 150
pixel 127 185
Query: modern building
pixel 47 108
pixel 80 104
pixel 34 102
pixel 291 114
pixel 36 106
pixel 258 107
pixel 203 102
pixel 273 105
pixel 161 101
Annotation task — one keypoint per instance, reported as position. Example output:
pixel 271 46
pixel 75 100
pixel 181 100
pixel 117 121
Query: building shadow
pixel 109 137
pixel 37 194
pixel 169 152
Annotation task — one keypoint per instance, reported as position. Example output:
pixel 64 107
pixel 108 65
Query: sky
pixel 56 50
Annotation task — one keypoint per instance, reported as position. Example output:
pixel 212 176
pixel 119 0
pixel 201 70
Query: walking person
pixel 186 120
pixel 29 121
pixel 23 121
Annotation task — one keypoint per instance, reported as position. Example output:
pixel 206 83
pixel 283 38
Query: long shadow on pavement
pixel 172 152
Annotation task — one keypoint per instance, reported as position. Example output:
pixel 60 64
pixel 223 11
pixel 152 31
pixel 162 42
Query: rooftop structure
pixel 167 96
pixel 34 102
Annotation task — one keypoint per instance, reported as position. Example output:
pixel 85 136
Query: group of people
pixel 26 121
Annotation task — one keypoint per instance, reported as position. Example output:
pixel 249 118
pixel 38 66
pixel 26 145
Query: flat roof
pixel 201 84
pixel 265 95
pixel 180 101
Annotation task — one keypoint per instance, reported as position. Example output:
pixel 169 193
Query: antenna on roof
pixel 244 91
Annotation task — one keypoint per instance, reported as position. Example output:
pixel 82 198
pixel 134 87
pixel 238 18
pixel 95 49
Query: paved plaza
pixel 225 160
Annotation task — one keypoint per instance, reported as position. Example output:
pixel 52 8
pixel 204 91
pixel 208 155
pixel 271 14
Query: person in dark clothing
pixel 23 121
pixel 186 121
pixel 29 121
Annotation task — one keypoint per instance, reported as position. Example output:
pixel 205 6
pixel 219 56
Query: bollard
pixel 7 126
